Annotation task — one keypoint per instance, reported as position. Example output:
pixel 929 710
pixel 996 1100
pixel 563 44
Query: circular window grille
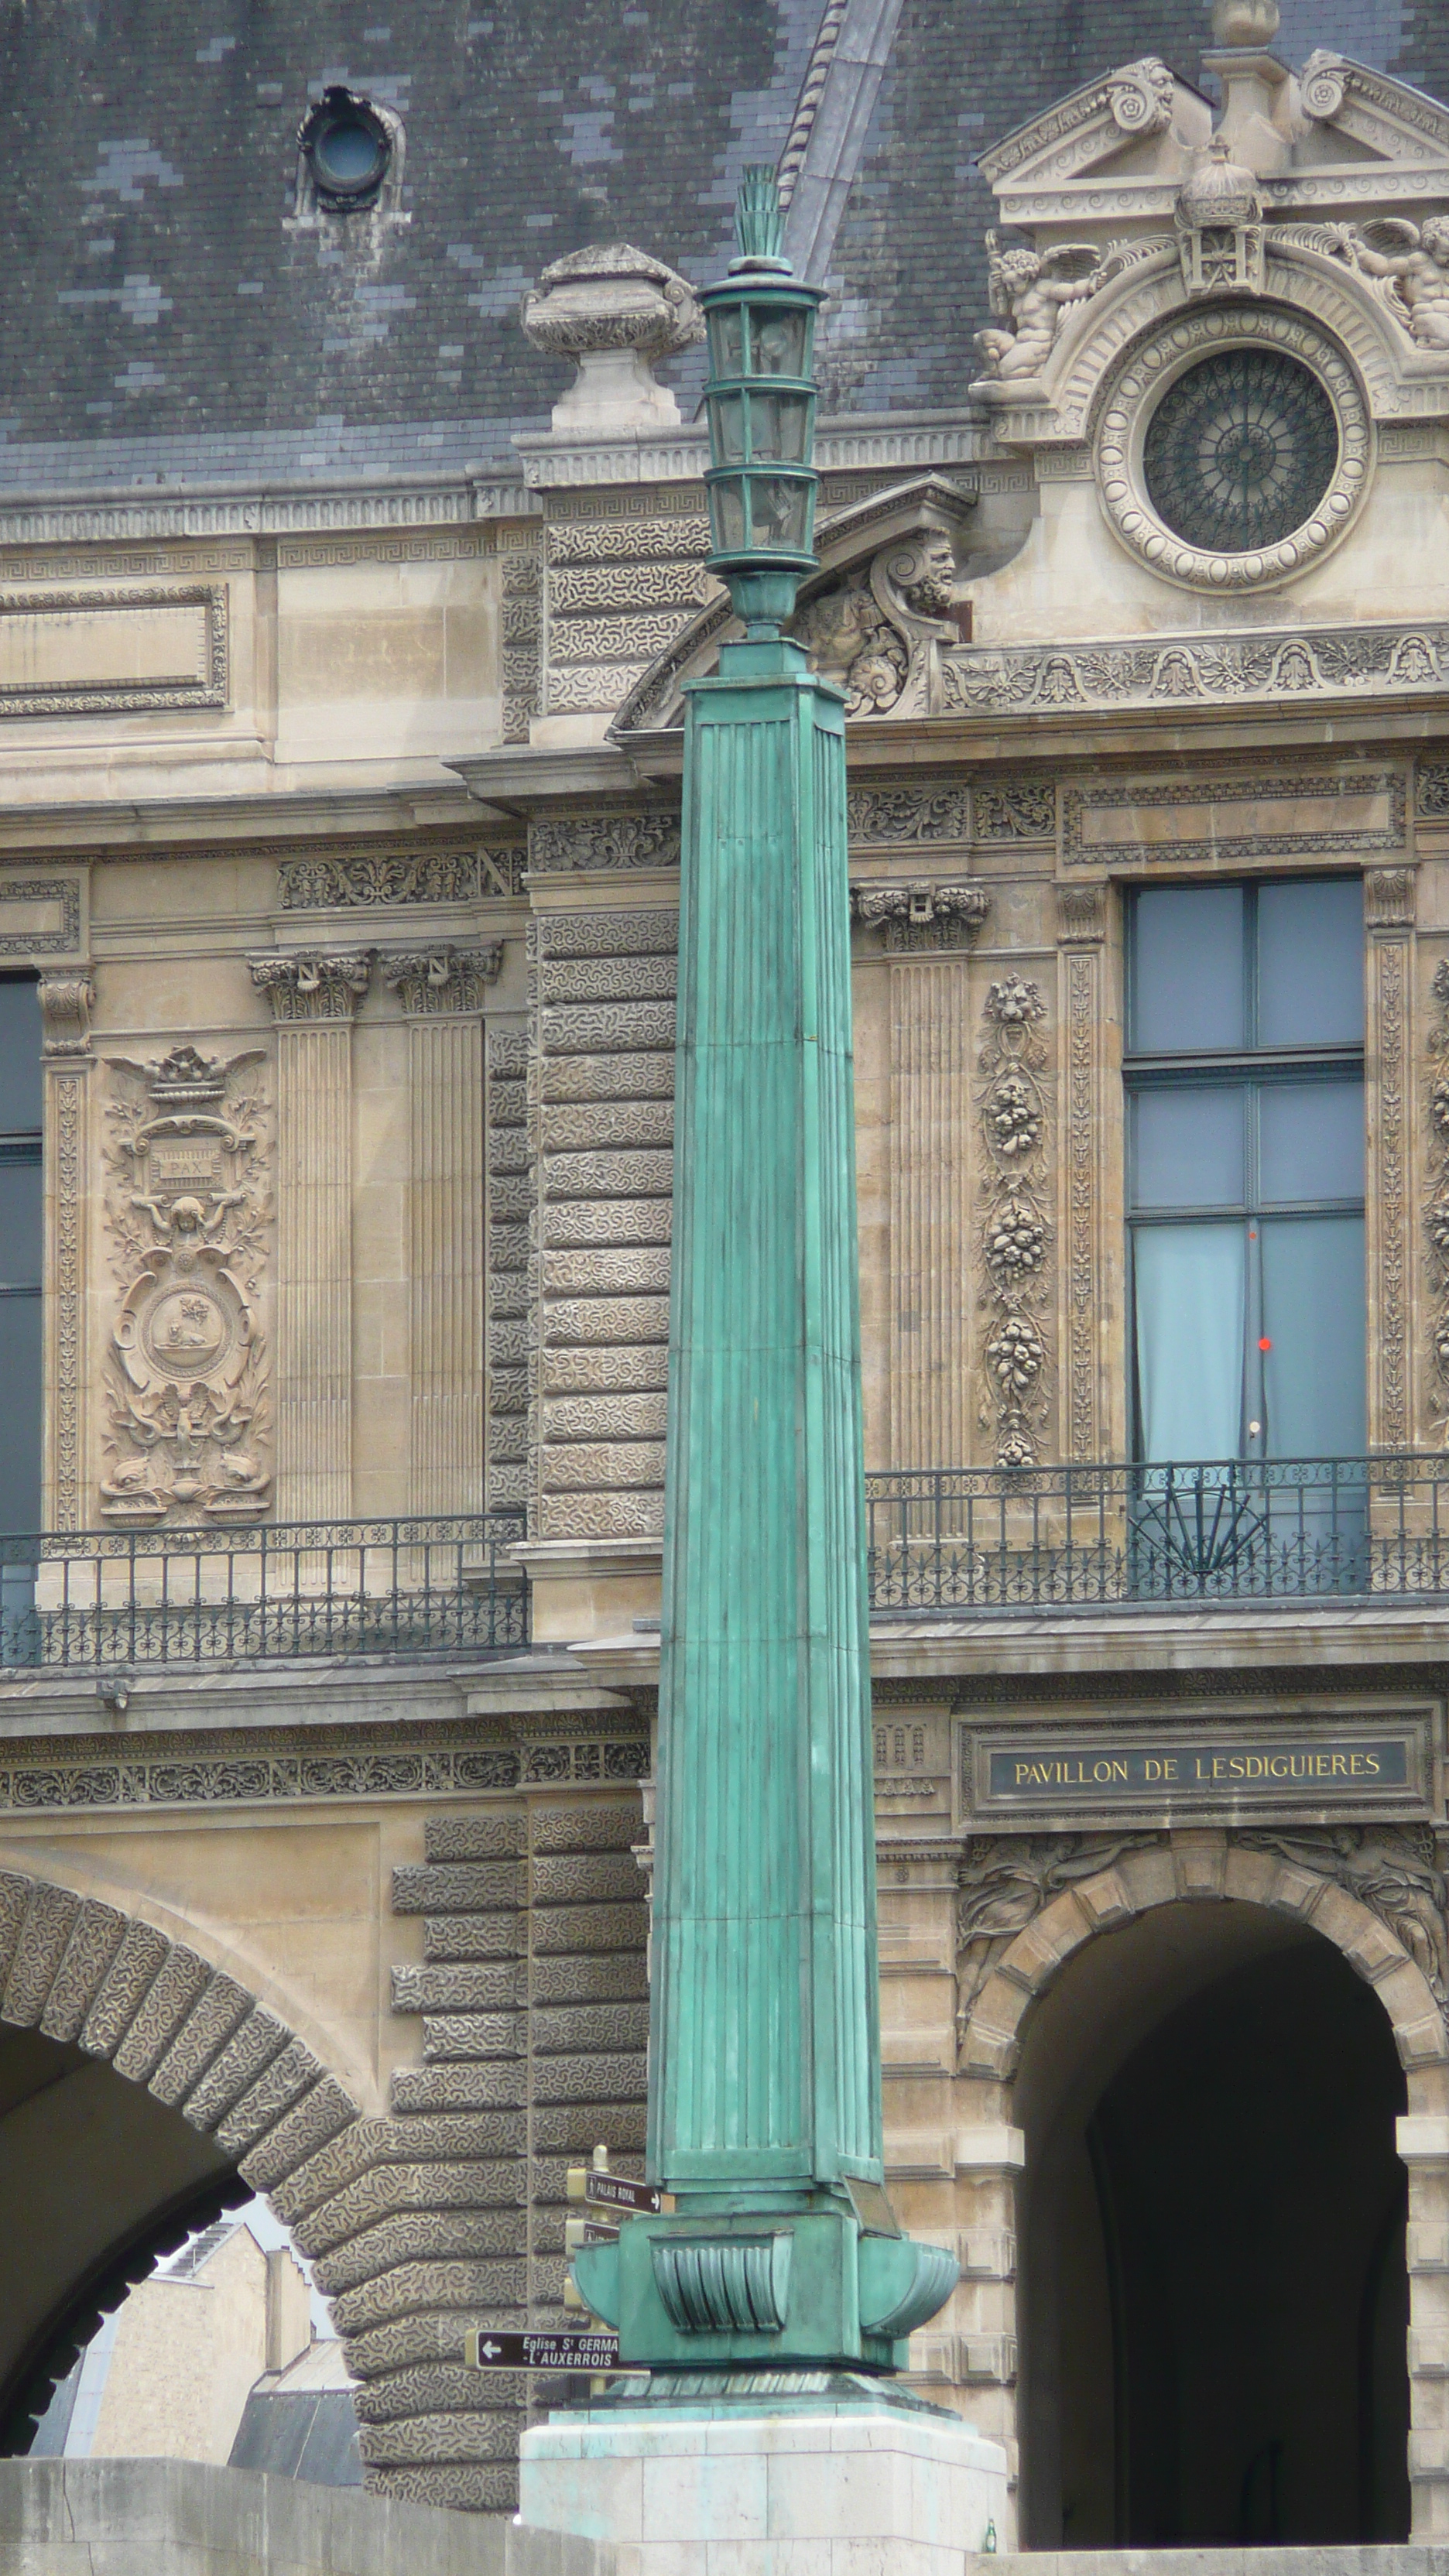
pixel 348 148
pixel 1233 446
pixel 1241 450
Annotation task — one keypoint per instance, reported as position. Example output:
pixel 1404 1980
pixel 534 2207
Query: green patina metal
pixel 764 2117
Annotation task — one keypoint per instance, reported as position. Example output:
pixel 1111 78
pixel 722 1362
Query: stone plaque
pixel 1360 1763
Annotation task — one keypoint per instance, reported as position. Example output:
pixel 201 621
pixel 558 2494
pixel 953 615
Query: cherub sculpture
pixel 1031 290
pixel 1413 261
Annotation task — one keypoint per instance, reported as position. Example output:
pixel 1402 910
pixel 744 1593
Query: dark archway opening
pixel 1215 2296
pixel 96 2179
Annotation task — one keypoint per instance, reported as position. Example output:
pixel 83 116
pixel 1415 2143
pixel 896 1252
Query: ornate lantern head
pixel 761 397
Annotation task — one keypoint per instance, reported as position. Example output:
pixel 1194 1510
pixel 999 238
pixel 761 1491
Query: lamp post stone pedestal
pixel 761 2319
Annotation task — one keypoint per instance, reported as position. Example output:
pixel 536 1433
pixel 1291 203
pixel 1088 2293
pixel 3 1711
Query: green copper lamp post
pixel 764 2096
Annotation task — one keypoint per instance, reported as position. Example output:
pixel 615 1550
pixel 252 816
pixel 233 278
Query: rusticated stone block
pixel 457 1989
pixel 455 1887
pixel 428 2138
pixel 595 2026
pixel 635 1076
pixel 614 1977
pixel 579 1876
pixel 500 2085
pixel 410 2286
pixel 123 1989
pixel 590 1825
pixel 493 2034
pixel 611 979
pixel 588 2079
pixel 424 2340
pixel 472 1837
pixel 596 1028
pixel 609 1270
pixel 440 2437
pixel 95 1938
pixel 217 2012
pixel 651 929
pixel 473 1936
pixel 260 2039
pixel 605 1417
pixel 472 2488
pixel 588 1929
pixel 601 1320
pixel 418 2236
pixel 589 1126
pixel 48 1923
pixel 433 2388
pixel 625 1174
pixel 276 2088
pixel 492 2183
pixel 577 1224
pixel 575 1371
pixel 307 2126
pixel 167 2001
pixel 15 1895
pixel 574 2129
pixel 592 1466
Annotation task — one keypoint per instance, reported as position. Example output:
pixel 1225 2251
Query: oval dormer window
pixel 347 147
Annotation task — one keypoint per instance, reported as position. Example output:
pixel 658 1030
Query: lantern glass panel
pixel 778 426
pixel 781 513
pixel 727 428
pixel 727 514
pixel 778 341
pixel 726 341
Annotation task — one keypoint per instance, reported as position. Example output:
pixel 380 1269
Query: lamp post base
pixel 708 2475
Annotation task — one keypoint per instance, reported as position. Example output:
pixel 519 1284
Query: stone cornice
pixel 110 516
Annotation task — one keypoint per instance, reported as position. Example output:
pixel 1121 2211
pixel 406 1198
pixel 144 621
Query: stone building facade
pixel 338 902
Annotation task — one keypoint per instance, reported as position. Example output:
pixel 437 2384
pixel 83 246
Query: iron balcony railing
pixel 121 1601
pixel 1208 1533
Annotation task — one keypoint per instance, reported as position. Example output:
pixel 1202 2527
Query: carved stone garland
pixel 184 1380
pixel 1436 1208
pixel 1016 1233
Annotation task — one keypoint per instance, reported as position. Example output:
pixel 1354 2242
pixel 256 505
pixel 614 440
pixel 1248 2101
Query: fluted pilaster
pixel 314 1000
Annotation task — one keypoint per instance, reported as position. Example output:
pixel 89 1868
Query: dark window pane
pixel 1188 1148
pixel 1310 963
pixel 1313 1320
pixel 19 1413
pixel 1311 1140
pixel 19 1056
pixel 1191 1302
pixel 20 1201
pixel 1188 960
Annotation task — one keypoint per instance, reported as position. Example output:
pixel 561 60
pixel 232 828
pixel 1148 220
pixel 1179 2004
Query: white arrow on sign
pixel 490 2351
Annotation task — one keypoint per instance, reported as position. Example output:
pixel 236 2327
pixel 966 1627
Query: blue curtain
pixel 1191 1309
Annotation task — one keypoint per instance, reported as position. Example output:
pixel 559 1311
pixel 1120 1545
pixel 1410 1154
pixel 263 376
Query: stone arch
pixel 1202 1866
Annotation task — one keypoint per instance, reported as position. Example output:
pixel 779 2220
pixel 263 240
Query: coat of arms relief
pixel 186 1436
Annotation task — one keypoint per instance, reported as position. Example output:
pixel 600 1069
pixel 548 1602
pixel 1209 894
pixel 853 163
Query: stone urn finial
pixel 616 312
pixel 1245 22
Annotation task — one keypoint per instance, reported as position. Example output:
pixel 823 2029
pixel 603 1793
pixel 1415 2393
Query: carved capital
pixel 315 987
pixel 1389 898
pixel 1081 915
pixel 66 1004
pixel 921 915
pixel 432 980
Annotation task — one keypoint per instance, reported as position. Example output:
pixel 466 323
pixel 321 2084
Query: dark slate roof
pixel 162 323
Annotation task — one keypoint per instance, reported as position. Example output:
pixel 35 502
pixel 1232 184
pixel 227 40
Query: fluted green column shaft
pixel 765 2071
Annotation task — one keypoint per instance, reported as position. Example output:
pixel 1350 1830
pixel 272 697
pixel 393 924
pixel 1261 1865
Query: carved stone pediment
pixel 874 619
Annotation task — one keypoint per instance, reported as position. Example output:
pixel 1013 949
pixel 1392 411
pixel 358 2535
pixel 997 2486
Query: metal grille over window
pixel 1241 450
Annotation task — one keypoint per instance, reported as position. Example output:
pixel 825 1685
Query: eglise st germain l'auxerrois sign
pixel 1370 1761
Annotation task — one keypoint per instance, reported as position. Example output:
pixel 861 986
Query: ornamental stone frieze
pixel 186 1397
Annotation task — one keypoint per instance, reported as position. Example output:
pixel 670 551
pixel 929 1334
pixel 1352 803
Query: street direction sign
pixel 489 2348
pixel 611 2191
